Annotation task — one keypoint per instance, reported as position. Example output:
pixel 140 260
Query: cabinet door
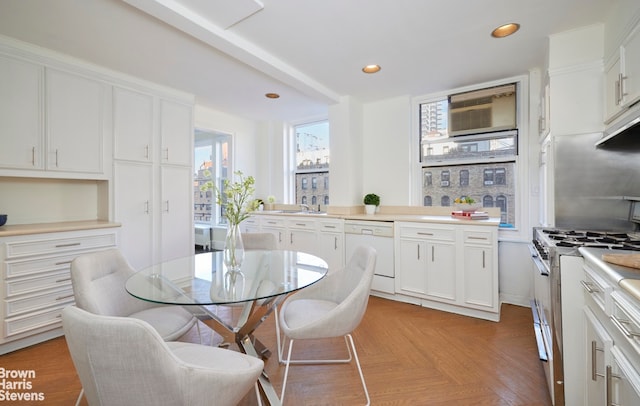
pixel 21 131
pixel 278 232
pixel 176 127
pixel 75 118
pixel 624 380
pixel 441 271
pixel 479 289
pixel 631 73
pixel 597 347
pixel 133 190
pixel 331 249
pixel 303 240
pixel 176 219
pixel 411 278
pixel 132 125
pixel 612 89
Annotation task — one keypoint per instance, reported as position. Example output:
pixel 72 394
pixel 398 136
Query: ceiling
pixel 229 53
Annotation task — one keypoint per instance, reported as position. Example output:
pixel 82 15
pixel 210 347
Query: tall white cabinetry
pixel 152 175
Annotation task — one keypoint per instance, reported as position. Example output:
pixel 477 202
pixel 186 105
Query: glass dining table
pixel 200 281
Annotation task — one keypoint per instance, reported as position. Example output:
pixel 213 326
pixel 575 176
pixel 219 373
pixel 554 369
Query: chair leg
pixel 355 355
pixel 199 332
pixel 286 370
pixel 80 396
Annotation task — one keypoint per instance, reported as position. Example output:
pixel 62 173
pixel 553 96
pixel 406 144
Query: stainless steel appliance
pixel 547 248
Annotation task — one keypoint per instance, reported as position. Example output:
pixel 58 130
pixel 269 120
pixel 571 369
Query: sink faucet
pixel 304 207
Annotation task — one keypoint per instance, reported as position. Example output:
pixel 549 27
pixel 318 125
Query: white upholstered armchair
pixel 333 307
pixel 124 361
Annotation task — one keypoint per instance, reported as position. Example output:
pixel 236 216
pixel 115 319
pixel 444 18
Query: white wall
pixel 387 150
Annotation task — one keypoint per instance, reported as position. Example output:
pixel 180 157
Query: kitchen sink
pixel 309 213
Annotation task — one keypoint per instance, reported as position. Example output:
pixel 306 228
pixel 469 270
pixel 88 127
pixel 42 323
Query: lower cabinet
pixel 37 283
pixel 449 267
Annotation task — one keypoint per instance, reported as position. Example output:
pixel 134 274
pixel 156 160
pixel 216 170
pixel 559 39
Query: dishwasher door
pixel 379 235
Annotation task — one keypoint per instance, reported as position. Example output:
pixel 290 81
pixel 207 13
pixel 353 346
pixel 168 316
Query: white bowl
pixel 467 207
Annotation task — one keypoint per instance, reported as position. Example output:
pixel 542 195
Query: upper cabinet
pixel 75 108
pixel 133 125
pixel 52 121
pixel 21 131
pixel 175 121
pixel 622 76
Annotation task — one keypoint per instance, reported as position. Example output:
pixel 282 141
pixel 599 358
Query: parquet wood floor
pixel 410 356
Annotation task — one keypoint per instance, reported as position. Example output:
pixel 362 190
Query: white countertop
pixel 9 230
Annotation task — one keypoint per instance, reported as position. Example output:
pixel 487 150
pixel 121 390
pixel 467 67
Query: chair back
pixel 356 278
pixel 120 361
pixel 98 280
pixel 259 241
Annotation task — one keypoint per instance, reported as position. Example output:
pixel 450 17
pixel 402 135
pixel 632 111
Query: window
pixel 312 162
pixel 485 163
pixel 211 167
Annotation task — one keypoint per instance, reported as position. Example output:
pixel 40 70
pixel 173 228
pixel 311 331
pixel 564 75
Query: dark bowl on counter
pixel 3 219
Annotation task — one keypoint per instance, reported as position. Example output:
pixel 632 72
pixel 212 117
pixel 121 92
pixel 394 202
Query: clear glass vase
pixel 233 248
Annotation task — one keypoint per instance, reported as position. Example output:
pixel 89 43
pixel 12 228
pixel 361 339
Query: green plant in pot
pixel 371 202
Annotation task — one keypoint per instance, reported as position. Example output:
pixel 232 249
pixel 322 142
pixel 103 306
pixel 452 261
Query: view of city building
pixel 312 164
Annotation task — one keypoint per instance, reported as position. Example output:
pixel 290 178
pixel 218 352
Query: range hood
pixel 627 124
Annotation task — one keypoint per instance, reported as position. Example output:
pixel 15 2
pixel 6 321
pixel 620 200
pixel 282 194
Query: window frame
pixel 526 140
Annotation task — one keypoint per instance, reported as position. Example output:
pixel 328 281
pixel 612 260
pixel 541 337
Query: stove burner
pixel 597 239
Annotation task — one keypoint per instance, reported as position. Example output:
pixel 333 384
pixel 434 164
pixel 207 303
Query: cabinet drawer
pixel 273 222
pixel 45 281
pixel 17 249
pixel 15 307
pixel 626 317
pixel 48 319
pixel 428 233
pixel 478 237
pixel 331 226
pixel 302 224
pixel 15 269
pixel 595 288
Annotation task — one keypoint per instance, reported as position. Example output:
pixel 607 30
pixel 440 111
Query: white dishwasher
pixel 379 235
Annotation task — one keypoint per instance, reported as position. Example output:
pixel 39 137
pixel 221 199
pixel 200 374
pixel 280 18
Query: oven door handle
pixel 538 262
pixel 537 329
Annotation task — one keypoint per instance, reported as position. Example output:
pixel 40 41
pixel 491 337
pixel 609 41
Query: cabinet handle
pixel 73 244
pixel 146 151
pixel 146 207
pixel 483 259
pixel 588 286
pixel 329 226
pixel 335 243
pixel 63 280
pixel 418 247
pixel 64 297
pixel 167 154
pixel 166 205
pixel 433 253
pixel 33 156
pixel 279 236
pixel 422 233
pixel 594 366
pixel 621 324
pixel 608 386
pixel 56 157
pixel 622 92
pixel 291 238
pixel 63 262
pixel 617 88
pixel 477 238
pixel 301 224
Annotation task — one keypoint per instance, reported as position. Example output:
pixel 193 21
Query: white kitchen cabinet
pixel 21 125
pixel 427 262
pixel 176 225
pixel 133 125
pixel 331 243
pixel 36 281
pixel 75 117
pixel 301 235
pixel 275 226
pixel 480 280
pixel 597 345
pixel 175 121
pixel 153 195
pixel 622 76
pixel 451 267
pixel 250 225
pixel 134 209
pixel 623 379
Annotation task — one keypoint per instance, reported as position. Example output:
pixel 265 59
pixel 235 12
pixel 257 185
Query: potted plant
pixel 371 202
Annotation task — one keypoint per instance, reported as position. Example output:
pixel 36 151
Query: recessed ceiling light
pixel 505 30
pixel 371 68
pixel 272 95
